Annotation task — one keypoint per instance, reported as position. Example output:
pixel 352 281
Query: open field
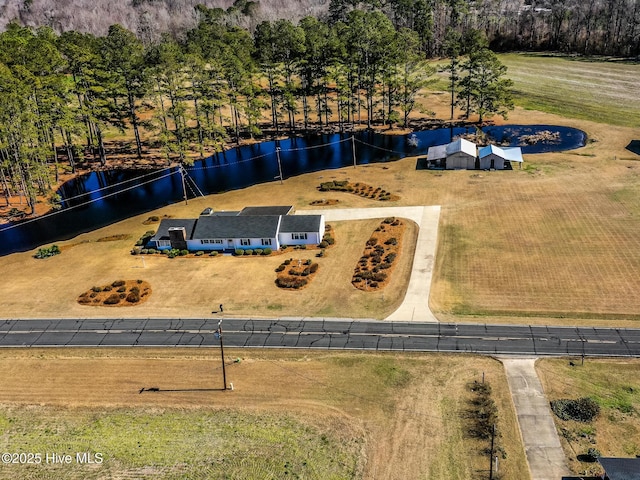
pixel 602 91
pixel 314 414
pixel 615 386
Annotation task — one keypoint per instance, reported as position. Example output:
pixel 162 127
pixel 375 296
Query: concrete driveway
pixel 415 306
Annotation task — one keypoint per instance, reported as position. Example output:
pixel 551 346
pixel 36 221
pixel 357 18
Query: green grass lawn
pixel 597 90
pixel 173 444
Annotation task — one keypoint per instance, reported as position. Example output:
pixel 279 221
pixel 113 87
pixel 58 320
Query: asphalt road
pixel 322 334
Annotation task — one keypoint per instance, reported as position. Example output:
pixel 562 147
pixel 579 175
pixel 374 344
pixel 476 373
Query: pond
pixel 101 198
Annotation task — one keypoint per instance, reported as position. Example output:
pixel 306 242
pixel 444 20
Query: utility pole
pixel 353 149
pixel 493 435
pixel 184 186
pixel 279 164
pixel 219 335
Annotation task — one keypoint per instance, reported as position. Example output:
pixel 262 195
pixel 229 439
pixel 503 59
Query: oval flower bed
pixel 295 273
pixel 121 293
pixel 361 189
pixel 374 268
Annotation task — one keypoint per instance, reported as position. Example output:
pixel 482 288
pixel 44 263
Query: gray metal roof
pixel 241 226
pixel 300 223
pixel 437 152
pixel 273 210
pixel 165 224
pixel 621 468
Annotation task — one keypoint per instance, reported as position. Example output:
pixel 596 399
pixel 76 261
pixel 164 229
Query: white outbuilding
pixel 461 155
pixel 498 157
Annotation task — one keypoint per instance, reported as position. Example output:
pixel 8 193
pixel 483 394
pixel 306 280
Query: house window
pixel 245 241
pixel 218 241
pixel 299 236
pixel 266 241
pixel 163 243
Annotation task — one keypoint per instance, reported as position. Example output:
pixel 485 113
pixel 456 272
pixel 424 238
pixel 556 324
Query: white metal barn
pixel 498 158
pixel 461 155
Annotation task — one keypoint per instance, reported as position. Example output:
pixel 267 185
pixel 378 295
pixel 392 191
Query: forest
pixel 62 93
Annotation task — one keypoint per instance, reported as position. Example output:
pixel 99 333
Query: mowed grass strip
pixel 602 91
pixel 615 386
pixel 318 415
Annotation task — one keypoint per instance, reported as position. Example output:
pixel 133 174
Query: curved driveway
pixel 415 306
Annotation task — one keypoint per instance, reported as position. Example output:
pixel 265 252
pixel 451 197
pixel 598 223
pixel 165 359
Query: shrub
pixel 320 253
pixel 122 295
pixel 213 254
pixel 391 241
pixel 581 410
pixel 280 268
pixel 152 251
pixel 302 247
pixel 144 251
pixel 48 252
pixel 182 253
pixel 107 288
pixel 133 297
pixel 391 257
pixel 112 299
pixel 372 241
pixel 121 289
pixel 118 283
pixel 329 239
pixel 154 218
pixel 135 251
pixel 199 253
pixel 389 220
pixel 384 265
pixel 257 251
pixel 313 268
pixel 135 289
pixel 306 272
pixel 291 282
pixel 239 252
pixel 283 247
pixel 93 295
pixel 323 244
pixel 307 261
pixel 266 251
pixel 166 252
pixel 96 289
pixel 248 251
pixel 138 282
pixel 286 262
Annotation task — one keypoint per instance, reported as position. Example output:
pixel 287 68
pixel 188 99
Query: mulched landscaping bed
pixel 296 273
pixel 360 189
pixel 374 268
pixel 120 293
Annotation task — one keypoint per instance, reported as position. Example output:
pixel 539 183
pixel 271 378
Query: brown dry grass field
pixel 395 415
pixel 557 241
pixel 615 386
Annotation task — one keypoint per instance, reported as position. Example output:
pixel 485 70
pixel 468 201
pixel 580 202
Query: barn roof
pixel 462 145
pixel 513 154
pixel 437 152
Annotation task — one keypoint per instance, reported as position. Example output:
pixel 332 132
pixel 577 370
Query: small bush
pixel 199 253
pixel 323 244
pixel 389 220
pixel 280 268
pixel 291 282
pixel 266 251
pixel 286 262
pixel 118 283
pixel 48 252
pixel 96 289
pixel 307 261
pixel 133 297
pixel 121 289
pixel 391 241
pixel 183 253
pixel 135 251
pixel 329 239
pixel 581 410
pixel 107 288
pixel 257 251
pixel 144 251
pixel 313 268
pixel 112 299
pixel 239 252
pixel 390 258
pixel 248 251
pixel 154 218
pixel 152 251
pixel 138 282
pixel 372 241
pixel 213 254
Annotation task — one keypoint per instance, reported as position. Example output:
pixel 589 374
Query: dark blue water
pixel 102 198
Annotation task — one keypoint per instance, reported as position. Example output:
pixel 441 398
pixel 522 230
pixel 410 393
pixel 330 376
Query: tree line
pixel 61 94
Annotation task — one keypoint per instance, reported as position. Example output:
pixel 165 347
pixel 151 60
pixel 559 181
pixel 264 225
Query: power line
pixel 87 202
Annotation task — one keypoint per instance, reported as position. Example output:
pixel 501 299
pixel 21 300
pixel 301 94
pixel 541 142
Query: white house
pixel 498 157
pixel 251 228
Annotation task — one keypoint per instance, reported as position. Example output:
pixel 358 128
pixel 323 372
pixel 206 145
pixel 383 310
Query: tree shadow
pixel 634 147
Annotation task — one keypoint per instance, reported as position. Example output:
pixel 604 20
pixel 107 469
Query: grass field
pixel 615 386
pixel 597 90
pixel 312 414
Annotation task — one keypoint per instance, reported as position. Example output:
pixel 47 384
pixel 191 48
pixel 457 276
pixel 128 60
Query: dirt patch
pixel 120 293
pixel 375 266
pixel 153 219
